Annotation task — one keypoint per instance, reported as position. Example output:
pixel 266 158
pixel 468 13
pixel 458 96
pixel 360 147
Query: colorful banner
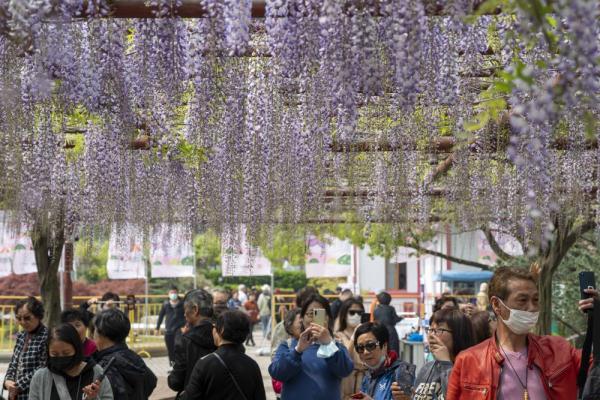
pixel 239 258
pixel 172 253
pixel 125 255
pixel 329 258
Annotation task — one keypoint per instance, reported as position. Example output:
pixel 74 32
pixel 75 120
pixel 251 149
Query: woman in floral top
pixel 30 352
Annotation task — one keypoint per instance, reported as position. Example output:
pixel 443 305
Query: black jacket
pixel 335 308
pixel 190 348
pixel 386 315
pixel 210 380
pixel 129 376
pixel 174 316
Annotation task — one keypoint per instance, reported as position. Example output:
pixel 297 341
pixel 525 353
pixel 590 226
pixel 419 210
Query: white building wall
pixel 371 271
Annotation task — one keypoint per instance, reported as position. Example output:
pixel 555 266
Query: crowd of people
pixel 320 350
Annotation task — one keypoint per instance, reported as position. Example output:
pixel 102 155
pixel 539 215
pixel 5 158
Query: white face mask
pixel 379 364
pixel 173 296
pixel 353 320
pixel 520 322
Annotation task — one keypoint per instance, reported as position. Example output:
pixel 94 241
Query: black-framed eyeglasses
pixel 355 312
pixel 436 331
pixel 369 346
pixel 26 318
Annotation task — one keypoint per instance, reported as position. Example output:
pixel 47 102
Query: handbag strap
pixel 592 337
pixel 235 382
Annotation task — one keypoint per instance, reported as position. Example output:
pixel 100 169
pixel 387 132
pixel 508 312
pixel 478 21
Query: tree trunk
pixel 544 326
pixel 47 245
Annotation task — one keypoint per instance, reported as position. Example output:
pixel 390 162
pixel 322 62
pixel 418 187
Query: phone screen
pixel 319 316
pixel 587 280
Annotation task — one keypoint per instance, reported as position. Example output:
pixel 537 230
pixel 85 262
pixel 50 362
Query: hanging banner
pixel 125 255
pixel 6 251
pixel 239 258
pixel 172 253
pixel 23 255
pixel 329 258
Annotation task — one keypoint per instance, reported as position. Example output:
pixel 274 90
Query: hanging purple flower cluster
pixel 320 108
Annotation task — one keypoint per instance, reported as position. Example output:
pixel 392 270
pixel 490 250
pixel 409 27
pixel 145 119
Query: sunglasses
pixel 370 346
pixel 26 318
pixel 355 312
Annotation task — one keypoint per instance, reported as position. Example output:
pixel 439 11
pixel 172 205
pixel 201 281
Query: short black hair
pixel 343 314
pixel 200 299
pixel 304 293
pixel 233 325
pixel 34 306
pixel 378 330
pixel 110 296
pixel 439 303
pixel 173 287
pixel 289 319
pixel 68 334
pixel 461 327
pixel 73 314
pixel 322 301
pixel 113 324
pixel 384 298
pixel 347 291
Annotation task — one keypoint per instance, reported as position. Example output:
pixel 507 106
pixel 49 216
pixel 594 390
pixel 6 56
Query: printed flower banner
pixel 172 253
pixel 328 258
pixel 240 258
pixel 125 255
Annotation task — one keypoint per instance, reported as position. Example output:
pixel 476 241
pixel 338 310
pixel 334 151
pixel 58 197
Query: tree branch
pixel 565 323
pixel 494 244
pixel 470 263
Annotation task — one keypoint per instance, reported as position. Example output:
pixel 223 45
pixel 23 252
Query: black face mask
pixel 61 365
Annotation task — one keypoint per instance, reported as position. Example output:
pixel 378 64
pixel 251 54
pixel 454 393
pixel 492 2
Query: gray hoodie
pixel 432 381
pixel 41 385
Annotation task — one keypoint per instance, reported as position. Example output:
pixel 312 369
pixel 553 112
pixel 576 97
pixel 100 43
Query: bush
pixel 283 279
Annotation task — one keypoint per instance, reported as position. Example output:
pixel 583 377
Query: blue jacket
pixel 305 376
pixel 379 385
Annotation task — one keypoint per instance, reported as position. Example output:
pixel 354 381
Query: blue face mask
pixel 379 364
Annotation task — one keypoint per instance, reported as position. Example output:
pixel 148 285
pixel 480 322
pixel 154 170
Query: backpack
pixel 589 380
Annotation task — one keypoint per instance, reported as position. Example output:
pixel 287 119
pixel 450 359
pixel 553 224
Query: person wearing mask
pixel 196 342
pixel 172 309
pixel 129 376
pixel 349 318
pixel 234 303
pixel 337 303
pixel 80 320
pixel 68 374
pixel 29 353
pixel 293 327
pixel 253 315
pixel 264 308
pixel 313 366
pixel 450 332
pixel 220 298
pixel 386 314
pixel 227 373
pixel 515 364
pixel 242 294
pixel 383 366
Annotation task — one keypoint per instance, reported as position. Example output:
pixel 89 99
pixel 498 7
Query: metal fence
pixel 143 319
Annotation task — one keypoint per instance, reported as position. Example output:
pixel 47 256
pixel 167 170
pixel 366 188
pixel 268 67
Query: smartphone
pixel 587 280
pixel 357 396
pixel 365 317
pixel 319 316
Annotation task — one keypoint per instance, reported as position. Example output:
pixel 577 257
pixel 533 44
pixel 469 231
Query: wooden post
pixel 67 281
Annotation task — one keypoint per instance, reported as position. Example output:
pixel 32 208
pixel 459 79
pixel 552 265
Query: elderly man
pixel 196 342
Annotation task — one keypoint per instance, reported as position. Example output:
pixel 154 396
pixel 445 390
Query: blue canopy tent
pixel 463 276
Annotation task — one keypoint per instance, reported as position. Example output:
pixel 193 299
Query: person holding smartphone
pixel 450 332
pixel 313 366
pixel 384 369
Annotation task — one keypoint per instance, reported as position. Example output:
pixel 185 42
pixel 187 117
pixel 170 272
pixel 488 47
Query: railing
pixel 143 325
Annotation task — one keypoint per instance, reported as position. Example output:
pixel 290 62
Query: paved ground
pixel 160 366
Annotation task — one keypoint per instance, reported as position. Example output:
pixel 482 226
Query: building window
pixel 396 276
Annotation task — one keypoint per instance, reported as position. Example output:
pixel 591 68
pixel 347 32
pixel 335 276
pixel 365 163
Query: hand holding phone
pixel 357 396
pixel 587 287
pixel 304 341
